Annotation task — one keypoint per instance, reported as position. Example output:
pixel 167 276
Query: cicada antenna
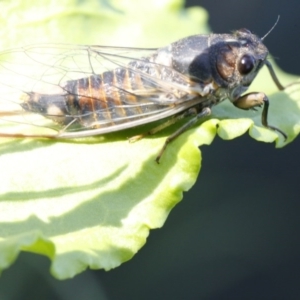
pixel 271 28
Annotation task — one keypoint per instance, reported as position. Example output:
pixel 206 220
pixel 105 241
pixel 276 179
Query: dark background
pixel 235 235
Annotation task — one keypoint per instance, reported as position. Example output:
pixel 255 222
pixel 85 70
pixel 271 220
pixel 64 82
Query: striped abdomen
pixel 116 96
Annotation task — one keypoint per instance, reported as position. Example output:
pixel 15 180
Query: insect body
pixel 92 90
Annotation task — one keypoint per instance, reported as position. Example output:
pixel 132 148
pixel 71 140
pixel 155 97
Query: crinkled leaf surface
pixel 91 202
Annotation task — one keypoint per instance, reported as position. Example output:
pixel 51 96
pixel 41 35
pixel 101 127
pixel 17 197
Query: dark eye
pixel 246 64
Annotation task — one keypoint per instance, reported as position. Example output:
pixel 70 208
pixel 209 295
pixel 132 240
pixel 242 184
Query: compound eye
pixel 246 64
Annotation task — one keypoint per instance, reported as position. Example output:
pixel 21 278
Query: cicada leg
pixel 204 112
pixel 188 113
pixel 252 100
pixel 169 122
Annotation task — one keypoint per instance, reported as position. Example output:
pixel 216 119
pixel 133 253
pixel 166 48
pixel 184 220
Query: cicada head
pixel 231 61
pixel 240 57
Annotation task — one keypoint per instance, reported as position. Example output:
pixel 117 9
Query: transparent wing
pixel 148 90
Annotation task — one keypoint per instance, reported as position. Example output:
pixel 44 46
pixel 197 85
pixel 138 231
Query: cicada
pixel 87 90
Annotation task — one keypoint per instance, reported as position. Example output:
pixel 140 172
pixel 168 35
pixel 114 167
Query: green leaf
pixel 91 202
